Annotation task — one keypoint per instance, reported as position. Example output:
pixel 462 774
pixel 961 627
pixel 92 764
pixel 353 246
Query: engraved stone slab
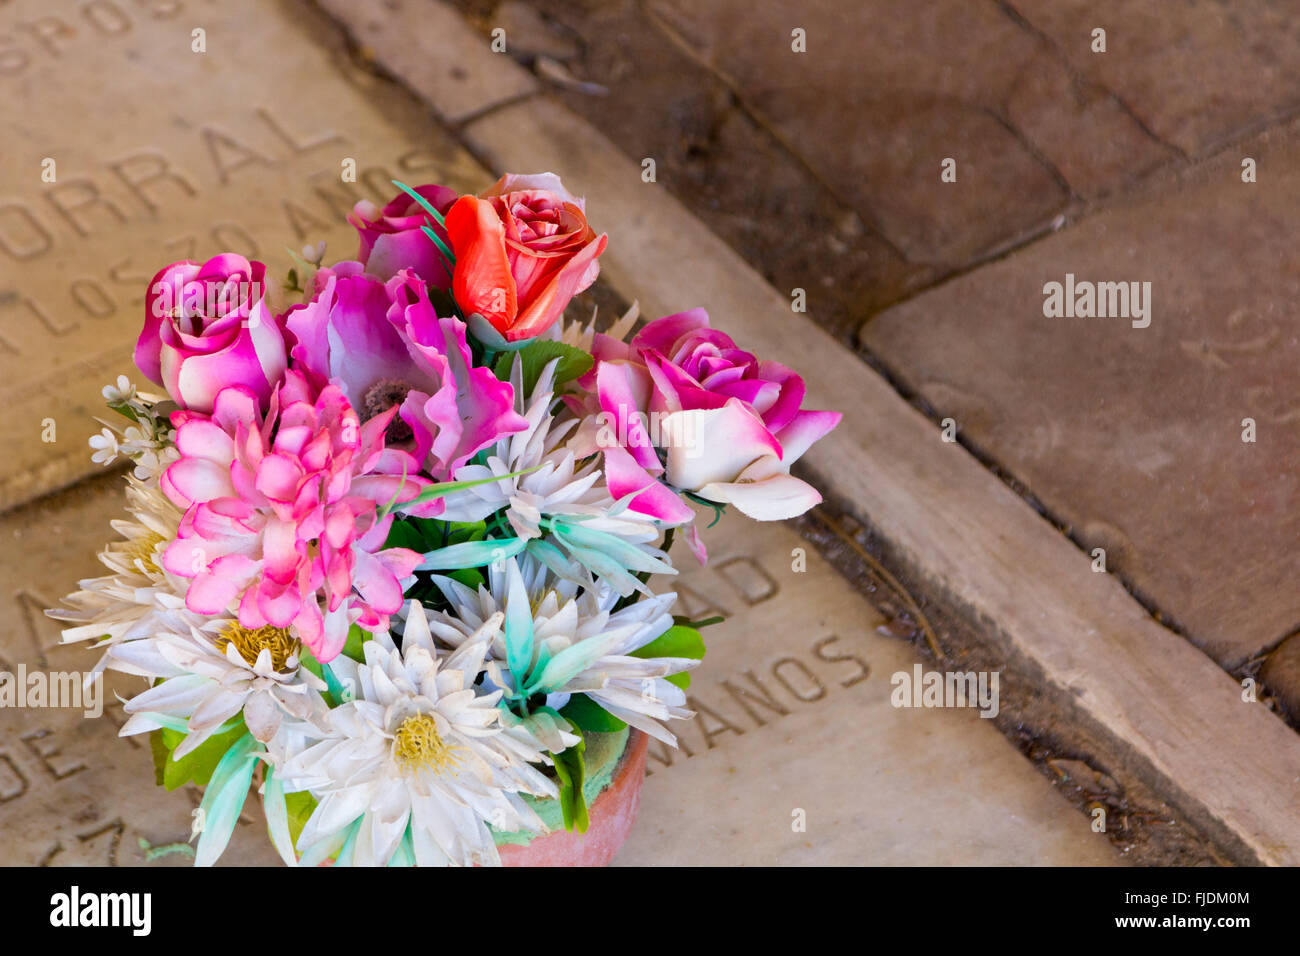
pixel 72 791
pixel 162 153
pixel 1133 437
pixel 794 713
pixel 796 755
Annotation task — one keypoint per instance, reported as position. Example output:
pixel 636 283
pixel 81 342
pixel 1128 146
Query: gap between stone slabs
pixel 1170 713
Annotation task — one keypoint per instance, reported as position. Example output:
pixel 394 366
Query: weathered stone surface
pixel 1281 675
pixel 887 90
pixel 435 53
pixel 72 791
pixel 794 723
pixel 1196 73
pixel 161 153
pixel 1134 436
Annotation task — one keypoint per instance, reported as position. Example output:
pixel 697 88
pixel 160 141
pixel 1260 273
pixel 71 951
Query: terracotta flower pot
pixel 612 814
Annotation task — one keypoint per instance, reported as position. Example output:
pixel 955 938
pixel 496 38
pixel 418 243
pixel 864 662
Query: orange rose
pixel 523 250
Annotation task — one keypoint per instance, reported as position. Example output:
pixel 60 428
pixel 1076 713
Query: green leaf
pixel 587 715
pixel 704 622
pixel 301 806
pixel 574 363
pixel 405 534
pixel 308 660
pixel 677 641
pixel 471 554
pixel 472 578
pixel 426 534
pixel 571 770
pixel 198 764
pixel 357 636
pixel 125 410
pixel 442 489
pixel 160 755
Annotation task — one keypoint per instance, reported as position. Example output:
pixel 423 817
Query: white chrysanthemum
pixel 139 598
pixel 558 642
pixel 419 747
pixel 215 672
pixel 582 336
pixel 559 488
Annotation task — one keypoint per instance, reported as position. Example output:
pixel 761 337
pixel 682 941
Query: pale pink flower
pixel 682 408
pixel 282 519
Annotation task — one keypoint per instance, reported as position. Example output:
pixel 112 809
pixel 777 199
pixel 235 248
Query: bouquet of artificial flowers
pixel 389 548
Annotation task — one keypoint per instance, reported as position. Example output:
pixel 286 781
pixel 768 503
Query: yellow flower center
pixel 541 599
pixel 418 745
pixel 250 643
pixel 141 551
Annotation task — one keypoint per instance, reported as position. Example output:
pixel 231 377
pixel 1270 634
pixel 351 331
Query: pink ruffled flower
pixel 207 326
pixel 282 513
pixel 727 425
pixel 393 238
pixel 385 347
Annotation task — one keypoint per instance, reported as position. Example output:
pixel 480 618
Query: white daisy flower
pixel 139 598
pixel 558 487
pixel 418 764
pixel 215 672
pixel 560 639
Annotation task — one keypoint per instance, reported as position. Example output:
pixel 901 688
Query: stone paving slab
pixel 162 153
pixel 71 791
pixel 1195 72
pixel 794 714
pixel 1133 436
pixel 888 89
pixel 462 86
pixel 795 723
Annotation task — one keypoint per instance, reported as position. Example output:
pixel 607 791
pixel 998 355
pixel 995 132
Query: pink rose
pixel 523 250
pixel 207 327
pixel 393 238
pixel 682 408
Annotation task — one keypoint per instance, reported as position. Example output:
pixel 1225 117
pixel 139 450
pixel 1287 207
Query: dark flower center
pixel 382 396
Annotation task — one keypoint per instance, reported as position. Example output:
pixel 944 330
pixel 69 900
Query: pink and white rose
pixel 682 408
pixel 207 327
